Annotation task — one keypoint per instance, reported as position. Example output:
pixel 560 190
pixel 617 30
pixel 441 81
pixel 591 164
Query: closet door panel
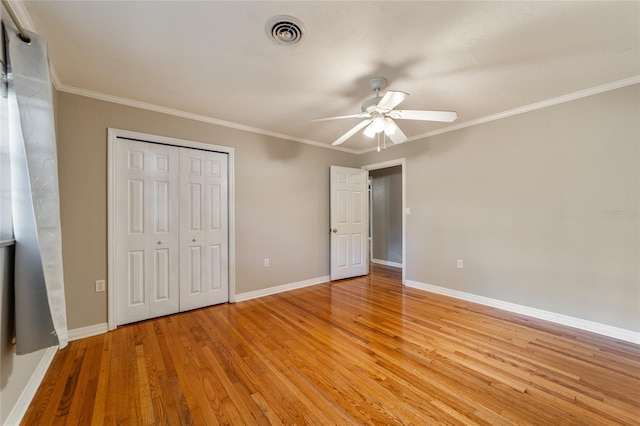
pixel 147 275
pixel 135 279
pixel 194 279
pixel 215 252
pixel 132 198
pixel 164 173
pixel 204 197
pixel 216 172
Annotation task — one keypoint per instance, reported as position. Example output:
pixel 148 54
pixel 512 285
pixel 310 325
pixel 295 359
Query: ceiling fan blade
pixel 352 132
pixel 407 114
pixel 392 130
pixel 339 117
pixel 391 99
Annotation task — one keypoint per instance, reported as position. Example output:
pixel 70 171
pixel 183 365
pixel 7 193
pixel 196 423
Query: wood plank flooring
pixel 357 351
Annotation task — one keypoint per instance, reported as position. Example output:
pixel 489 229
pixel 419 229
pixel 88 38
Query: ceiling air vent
pixel 284 29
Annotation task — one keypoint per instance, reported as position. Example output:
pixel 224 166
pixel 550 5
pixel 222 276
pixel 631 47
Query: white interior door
pixel 204 233
pixel 349 222
pixel 146 230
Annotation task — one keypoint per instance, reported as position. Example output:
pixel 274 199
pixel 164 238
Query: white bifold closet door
pixel 147 231
pixel 171 230
pixel 204 275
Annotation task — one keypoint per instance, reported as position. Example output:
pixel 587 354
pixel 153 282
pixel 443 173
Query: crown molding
pixel 26 21
pixel 22 14
pixel 527 108
pixel 191 116
pixel 532 107
pixel 482 120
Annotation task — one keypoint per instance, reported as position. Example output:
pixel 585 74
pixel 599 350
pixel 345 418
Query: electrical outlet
pixel 100 286
pixel 460 264
pixel 266 262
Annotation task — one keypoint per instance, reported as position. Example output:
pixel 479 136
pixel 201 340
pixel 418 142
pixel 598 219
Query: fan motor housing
pixel 370 104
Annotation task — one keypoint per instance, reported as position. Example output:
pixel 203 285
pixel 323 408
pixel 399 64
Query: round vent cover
pixel 284 29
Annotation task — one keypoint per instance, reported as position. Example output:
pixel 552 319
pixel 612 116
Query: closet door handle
pixel 159 242
pixel 194 240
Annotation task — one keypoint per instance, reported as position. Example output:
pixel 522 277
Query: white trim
pixel 23 16
pixel 22 404
pixel 190 116
pixel 88 331
pixel 280 288
pixel 111 226
pixel 527 108
pixel 582 324
pixel 27 22
pixel 387 263
pixel 391 163
pixel 113 134
pixel 535 106
pixel 481 120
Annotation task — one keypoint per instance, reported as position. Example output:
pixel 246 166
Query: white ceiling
pixel 214 59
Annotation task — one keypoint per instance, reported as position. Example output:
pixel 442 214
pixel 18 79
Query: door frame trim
pixel 113 135
pixel 391 163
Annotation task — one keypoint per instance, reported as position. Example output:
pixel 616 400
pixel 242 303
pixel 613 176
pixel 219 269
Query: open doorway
pixel 387 213
pixel 386 216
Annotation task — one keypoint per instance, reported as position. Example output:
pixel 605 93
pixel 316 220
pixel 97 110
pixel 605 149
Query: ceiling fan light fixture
pixel 378 122
pixel 369 132
pixel 380 113
pixel 390 126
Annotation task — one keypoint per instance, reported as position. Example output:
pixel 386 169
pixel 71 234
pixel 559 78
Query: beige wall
pixel 282 193
pixel 542 207
pixel 523 201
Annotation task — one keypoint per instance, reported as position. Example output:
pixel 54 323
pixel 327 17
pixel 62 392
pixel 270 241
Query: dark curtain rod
pixel 22 33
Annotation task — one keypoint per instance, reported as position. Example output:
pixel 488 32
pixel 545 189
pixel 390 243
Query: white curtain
pixel 40 306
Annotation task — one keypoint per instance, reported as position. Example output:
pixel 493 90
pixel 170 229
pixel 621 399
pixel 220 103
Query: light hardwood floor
pixel 358 351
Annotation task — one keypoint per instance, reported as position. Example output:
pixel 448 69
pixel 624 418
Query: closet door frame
pixel 113 136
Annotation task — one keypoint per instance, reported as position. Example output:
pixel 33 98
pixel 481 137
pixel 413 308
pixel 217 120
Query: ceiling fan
pixel 379 113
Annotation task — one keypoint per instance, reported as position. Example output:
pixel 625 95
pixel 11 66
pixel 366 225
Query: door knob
pixel 159 242
pixel 194 240
pixel 334 230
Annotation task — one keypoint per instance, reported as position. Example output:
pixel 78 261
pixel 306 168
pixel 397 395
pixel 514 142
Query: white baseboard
pixel 280 288
pixel 387 263
pixel 88 331
pixel 594 327
pixel 18 411
pixel 22 404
